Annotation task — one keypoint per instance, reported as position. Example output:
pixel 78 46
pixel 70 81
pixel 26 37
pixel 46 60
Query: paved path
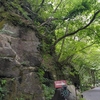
pixel 93 94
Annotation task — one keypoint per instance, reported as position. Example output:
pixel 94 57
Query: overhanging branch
pixel 57 6
pixel 40 6
pixel 82 28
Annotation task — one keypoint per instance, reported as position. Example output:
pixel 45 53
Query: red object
pixel 60 83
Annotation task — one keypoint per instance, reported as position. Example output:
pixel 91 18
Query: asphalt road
pixel 93 94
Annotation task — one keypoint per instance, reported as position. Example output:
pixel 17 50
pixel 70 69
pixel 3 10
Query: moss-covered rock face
pixel 24 88
pixel 19 50
pixel 19 59
pixel 14 12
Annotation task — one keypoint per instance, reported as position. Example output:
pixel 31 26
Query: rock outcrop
pixel 19 59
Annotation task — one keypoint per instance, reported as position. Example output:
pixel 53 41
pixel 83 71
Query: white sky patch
pixel 98 0
pixel 76 38
pixel 49 2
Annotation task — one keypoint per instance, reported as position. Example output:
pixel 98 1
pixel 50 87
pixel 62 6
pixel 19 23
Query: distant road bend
pixel 93 94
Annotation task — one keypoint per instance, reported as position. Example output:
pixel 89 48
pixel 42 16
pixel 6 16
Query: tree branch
pixel 87 46
pixel 82 28
pixel 40 6
pixel 57 7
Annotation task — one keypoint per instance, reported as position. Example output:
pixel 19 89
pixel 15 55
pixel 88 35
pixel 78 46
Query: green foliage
pixel 16 4
pixel 68 16
pixel 41 74
pixel 3 90
pixel 20 98
pixel 82 99
pixel 48 92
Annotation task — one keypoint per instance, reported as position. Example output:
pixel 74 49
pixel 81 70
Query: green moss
pixel 3 89
pixel 2 24
pixel 1 9
pixel 24 97
pixel 14 19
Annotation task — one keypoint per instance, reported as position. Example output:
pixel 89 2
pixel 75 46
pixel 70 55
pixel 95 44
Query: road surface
pixel 93 94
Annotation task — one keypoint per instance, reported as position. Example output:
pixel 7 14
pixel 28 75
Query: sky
pixel 98 0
